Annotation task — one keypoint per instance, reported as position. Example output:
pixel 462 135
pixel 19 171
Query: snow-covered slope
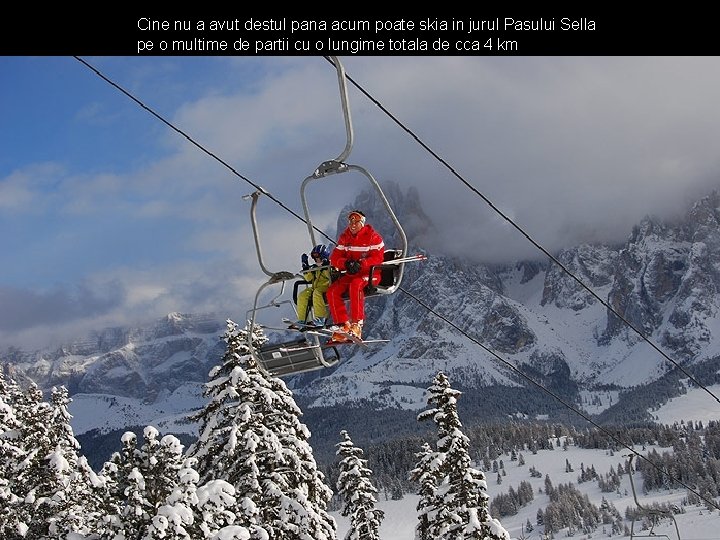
pixel 696 522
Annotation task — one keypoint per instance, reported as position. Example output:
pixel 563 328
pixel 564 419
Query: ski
pixel 324 331
pixel 294 325
pixel 391 262
pixel 355 341
pixel 325 345
pixel 352 340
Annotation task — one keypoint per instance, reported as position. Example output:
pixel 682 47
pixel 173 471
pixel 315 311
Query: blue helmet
pixel 320 250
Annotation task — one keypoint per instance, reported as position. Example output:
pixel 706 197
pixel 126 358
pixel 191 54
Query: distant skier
pixel 319 281
pixel 358 248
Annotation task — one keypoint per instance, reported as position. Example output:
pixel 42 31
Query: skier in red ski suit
pixel 358 248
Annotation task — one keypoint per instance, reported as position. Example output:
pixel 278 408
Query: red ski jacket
pixel 366 246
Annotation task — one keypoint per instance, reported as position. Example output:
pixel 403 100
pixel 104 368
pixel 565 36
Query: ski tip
pixel 331 342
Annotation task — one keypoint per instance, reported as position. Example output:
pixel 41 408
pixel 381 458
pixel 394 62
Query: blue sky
pixel 109 216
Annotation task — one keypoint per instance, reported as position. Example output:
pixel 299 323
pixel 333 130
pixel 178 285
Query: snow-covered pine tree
pixel 161 462
pixel 152 488
pixel 48 490
pixel 463 512
pixel 216 498
pixel 307 482
pixel 70 492
pixel 230 434
pixel 354 483
pixel 251 437
pixel 128 510
pixel 427 474
pixel 214 450
pixel 26 475
pixel 11 454
pixel 10 391
pixel 178 518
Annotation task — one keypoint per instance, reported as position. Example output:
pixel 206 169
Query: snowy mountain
pixel 496 330
pixel 144 363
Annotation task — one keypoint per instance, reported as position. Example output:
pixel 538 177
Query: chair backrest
pixel 389 274
pixel 295 356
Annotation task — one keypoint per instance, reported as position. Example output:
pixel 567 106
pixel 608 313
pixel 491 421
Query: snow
pixel 108 412
pixel 696 523
pixel 697 405
pixel 401 516
pixel 595 402
pixel 400 520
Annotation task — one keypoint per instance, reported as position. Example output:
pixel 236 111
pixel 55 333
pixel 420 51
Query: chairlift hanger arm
pixel 272 303
pixel 344 101
pixel 275 277
pixel 282 360
pixel 261 360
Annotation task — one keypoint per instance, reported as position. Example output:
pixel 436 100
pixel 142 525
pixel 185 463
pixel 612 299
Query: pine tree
pixel 161 462
pixel 69 493
pixel 28 473
pixel 128 510
pixel 178 517
pixel 151 490
pixel 427 474
pixel 355 485
pixel 251 437
pixel 49 490
pixel 463 512
pixel 307 481
pixel 215 499
pixel 11 455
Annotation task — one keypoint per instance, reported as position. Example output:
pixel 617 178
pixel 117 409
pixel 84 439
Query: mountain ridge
pixel 511 323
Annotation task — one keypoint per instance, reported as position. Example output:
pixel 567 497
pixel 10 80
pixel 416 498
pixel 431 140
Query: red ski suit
pixel 366 246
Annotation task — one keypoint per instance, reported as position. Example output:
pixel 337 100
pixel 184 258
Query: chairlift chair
pixel 297 356
pixel 290 357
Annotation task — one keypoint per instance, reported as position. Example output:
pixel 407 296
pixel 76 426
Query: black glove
pixel 305 262
pixel 352 266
